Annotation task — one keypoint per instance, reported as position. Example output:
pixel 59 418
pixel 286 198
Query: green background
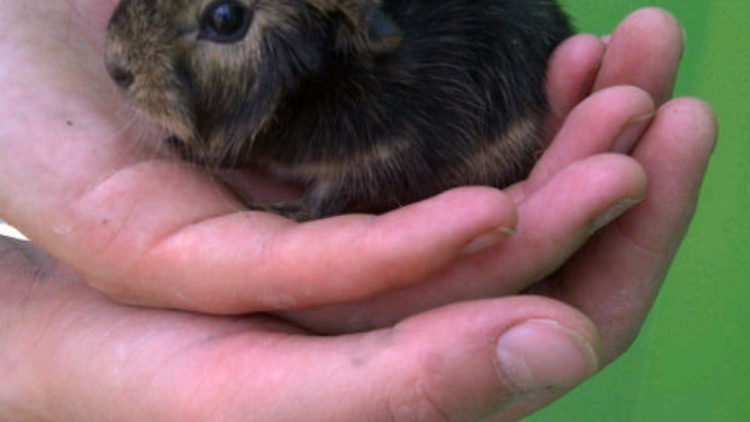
pixel 692 359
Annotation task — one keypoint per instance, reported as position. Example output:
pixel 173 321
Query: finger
pixel 112 361
pixel 616 277
pixel 571 73
pixel 158 253
pixel 460 364
pixel 609 120
pixel 630 57
pixel 553 223
pixel 468 361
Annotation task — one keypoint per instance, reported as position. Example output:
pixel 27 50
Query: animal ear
pixel 367 26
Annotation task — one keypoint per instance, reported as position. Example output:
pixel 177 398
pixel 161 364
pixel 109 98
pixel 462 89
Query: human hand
pixel 153 231
pixel 108 214
pixel 686 128
pixel 70 354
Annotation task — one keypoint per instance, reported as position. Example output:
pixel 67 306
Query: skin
pixel 146 230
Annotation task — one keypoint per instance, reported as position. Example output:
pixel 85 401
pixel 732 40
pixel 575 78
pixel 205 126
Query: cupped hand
pixel 70 354
pixel 145 229
pixel 94 190
pixel 149 230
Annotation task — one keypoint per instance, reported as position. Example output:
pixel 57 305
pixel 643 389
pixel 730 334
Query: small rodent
pixel 370 104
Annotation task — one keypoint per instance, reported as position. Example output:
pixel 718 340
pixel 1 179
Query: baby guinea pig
pixel 369 104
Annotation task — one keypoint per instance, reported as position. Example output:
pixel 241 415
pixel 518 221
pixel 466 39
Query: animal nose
pixel 122 77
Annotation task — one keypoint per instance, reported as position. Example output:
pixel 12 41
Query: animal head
pixel 212 72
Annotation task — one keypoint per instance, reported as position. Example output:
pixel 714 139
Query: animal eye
pixel 225 21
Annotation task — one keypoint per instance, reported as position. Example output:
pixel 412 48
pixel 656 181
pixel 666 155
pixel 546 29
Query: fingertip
pixel 660 25
pixel 475 209
pixel 580 48
pixel 698 118
pixel 642 36
pixel 619 174
pixel 572 71
pixel 670 32
pixel 656 17
pixel 633 94
pixel 614 183
pixel 539 354
pixel 467 219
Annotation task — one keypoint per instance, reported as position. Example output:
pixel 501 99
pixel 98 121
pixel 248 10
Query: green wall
pixel 692 360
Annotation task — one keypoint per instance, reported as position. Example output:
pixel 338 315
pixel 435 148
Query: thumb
pixel 502 357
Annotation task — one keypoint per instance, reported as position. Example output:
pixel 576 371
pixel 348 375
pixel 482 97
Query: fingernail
pixel 684 41
pixel 612 213
pixel 488 240
pixel 633 130
pixel 542 354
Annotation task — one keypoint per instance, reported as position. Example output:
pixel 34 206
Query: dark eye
pixel 225 21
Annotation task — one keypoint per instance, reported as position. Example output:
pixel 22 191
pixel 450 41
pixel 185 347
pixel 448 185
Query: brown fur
pixel 371 104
